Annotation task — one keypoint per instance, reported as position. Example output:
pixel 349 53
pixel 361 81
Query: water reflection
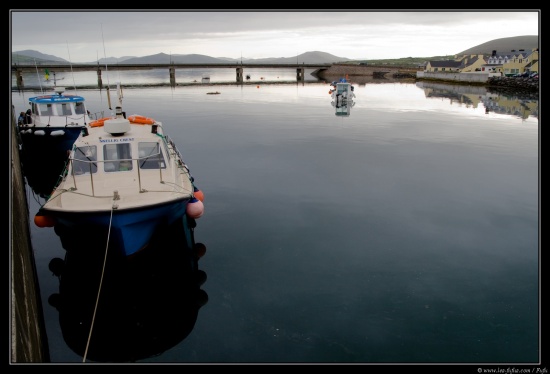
pixel 146 303
pixel 42 166
pixel 472 96
pixel 42 171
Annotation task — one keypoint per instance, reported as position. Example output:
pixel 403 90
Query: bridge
pixel 171 67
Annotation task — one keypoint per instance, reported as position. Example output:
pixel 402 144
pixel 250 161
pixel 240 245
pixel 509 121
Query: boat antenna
pixel 106 70
pixel 72 73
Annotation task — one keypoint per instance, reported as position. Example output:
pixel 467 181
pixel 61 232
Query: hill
pixel 315 57
pixel 527 42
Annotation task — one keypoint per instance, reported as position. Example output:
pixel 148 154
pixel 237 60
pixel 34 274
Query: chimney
pixel 494 53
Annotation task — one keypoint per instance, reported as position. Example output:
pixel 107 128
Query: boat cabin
pixel 58 110
pixel 119 152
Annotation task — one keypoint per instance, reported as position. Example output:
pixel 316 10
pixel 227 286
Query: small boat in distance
pixel 205 79
pixel 124 179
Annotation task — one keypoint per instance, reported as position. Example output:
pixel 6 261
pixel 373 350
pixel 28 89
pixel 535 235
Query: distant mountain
pixel 31 56
pixel 526 42
pixel 162 58
pixel 314 57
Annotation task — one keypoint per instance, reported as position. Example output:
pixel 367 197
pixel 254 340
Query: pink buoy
pixel 195 208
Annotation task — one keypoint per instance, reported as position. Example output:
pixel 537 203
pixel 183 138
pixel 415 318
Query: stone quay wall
pixel 386 71
pixel 28 333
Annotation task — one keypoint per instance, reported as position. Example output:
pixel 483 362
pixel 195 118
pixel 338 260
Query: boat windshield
pixel 85 159
pixel 150 156
pixel 79 108
pixel 45 109
pixel 118 157
pixel 64 109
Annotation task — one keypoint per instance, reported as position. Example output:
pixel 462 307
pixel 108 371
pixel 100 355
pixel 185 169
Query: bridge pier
pixel 239 75
pixel 300 73
pixel 19 78
pixel 99 80
pixel 172 71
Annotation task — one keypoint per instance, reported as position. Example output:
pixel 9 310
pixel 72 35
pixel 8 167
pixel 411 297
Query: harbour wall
pixel 29 343
pixel 381 71
pixel 457 77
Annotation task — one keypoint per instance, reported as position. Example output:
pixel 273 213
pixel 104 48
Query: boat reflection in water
pixel 342 97
pixel 43 176
pixel 146 303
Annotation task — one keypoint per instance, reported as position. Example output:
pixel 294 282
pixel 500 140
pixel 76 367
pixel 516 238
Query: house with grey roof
pixel 450 66
pixel 512 62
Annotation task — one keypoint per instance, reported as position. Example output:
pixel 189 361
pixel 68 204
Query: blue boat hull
pixel 129 231
pixel 48 143
pixel 43 158
pixel 149 302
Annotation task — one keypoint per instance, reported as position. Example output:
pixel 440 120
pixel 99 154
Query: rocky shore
pixel 514 85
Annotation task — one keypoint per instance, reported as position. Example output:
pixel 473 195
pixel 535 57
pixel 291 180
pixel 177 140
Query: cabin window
pixel 150 156
pixel 118 157
pixel 64 109
pixel 45 110
pixel 79 108
pixel 85 159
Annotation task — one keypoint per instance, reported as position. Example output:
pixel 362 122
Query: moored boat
pixel 46 135
pixel 56 120
pixel 124 179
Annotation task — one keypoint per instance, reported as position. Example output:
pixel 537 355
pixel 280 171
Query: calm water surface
pixel 407 232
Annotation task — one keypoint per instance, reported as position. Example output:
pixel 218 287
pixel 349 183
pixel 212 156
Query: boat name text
pixel 116 140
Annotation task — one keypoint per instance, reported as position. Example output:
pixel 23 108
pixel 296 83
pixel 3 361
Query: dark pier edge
pixel 29 343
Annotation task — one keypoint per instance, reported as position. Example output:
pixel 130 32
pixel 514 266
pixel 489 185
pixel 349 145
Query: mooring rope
pixel 100 284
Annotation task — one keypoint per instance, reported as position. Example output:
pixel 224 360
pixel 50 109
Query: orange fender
pixel 99 122
pixel 142 120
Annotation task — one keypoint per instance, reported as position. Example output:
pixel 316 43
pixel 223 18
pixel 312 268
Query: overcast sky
pixel 85 36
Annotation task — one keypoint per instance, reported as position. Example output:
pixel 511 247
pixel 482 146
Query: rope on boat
pixel 101 279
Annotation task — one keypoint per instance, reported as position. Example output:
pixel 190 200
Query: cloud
pixel 88 35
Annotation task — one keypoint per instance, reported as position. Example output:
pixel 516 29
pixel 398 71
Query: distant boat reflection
pixel 518 106
pixel 343 109
pixel 342 97
pixel 146 303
